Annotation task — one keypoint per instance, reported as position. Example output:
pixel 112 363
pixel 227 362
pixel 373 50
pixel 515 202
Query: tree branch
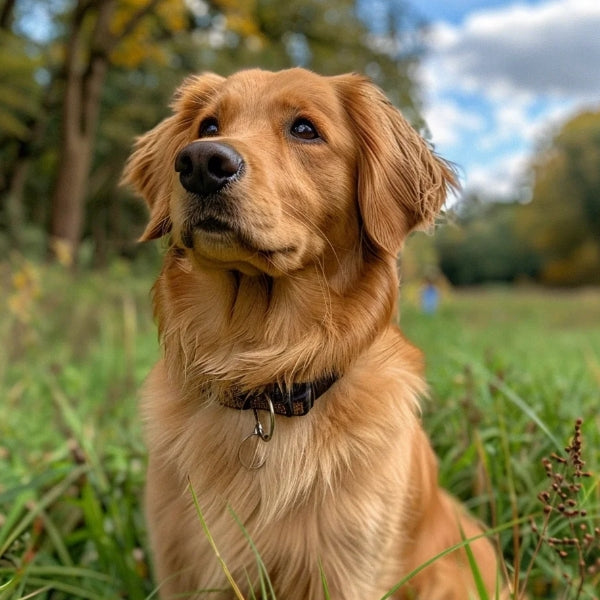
pixel 130 25
pixel 6 14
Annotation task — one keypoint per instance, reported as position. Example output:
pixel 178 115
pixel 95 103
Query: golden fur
pixel 305 285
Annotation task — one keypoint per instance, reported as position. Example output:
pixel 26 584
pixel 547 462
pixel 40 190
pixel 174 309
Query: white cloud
pixel 496 83
pixel 551 48
pixel 448 120
pixel 503 179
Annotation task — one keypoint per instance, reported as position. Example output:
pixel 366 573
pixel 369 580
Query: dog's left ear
pixel 150 169
pixel 402 184
pixel 146 173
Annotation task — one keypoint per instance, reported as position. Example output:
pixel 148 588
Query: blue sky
pixel 500 76
pixel 454 11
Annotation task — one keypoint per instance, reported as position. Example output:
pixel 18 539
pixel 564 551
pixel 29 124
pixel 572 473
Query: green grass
pixel 509 373
pixel 72 459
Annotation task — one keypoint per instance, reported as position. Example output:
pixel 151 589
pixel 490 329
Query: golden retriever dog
pixel 285 408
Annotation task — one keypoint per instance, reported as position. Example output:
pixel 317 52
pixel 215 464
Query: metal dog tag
pixel 251 452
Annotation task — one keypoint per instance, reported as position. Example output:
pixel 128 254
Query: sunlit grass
pixel 72 461
pixel 509 373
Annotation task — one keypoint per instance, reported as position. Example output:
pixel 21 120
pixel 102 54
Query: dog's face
pixel 270 172
pixel 266 173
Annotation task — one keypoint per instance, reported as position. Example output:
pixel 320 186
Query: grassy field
pixel 510 374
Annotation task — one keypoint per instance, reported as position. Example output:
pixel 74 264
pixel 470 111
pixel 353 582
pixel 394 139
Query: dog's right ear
pixel 150 169
pixel 402 183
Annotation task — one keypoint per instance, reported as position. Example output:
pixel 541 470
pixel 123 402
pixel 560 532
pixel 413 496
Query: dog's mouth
pixel 223 230
pixel 209 217
pixel 211 226
pixel 214 225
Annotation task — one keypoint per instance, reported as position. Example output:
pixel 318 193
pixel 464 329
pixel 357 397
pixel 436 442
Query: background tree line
pixel 553 238
pixel 79 79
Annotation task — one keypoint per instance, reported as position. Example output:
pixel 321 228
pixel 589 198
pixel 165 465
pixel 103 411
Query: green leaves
pixel 19 89
pixel 563 218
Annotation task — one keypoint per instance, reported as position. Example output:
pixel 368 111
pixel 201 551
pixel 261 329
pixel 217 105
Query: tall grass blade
pixel 324 581
pixel 73 422
pixel 36 593
pixel 462 544
pixel 265 581
pixel 49 498
pixel 73 591
pixel 477 578
pixel 56 538
pixel 510 395
pixel 213 545
pixel 72 572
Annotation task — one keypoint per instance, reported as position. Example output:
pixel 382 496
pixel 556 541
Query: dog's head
pixel 269 172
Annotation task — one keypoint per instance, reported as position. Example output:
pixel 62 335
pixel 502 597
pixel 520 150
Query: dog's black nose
pixel 206 167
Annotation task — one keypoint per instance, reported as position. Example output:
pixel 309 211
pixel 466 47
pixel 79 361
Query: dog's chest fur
pixel 303 499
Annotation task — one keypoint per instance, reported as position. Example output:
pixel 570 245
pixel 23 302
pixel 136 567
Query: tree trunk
pixel 18 170
pixel 81 105
pixel 15 217
pixel 80 109
pixel 6 14
pixel 16 175
pixel 68 198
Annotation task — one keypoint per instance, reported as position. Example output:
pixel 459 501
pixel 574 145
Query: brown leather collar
pixel 294 401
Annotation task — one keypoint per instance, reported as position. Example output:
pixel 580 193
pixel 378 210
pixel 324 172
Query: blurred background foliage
pixel 79 79
pixel 553 237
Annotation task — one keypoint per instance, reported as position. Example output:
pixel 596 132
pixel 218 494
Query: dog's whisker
pixel 313 227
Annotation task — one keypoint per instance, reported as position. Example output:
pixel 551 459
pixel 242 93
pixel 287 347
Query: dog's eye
pixel 303 129
pixel 209 127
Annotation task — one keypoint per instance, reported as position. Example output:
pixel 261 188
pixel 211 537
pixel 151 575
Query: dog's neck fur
pixel 224 328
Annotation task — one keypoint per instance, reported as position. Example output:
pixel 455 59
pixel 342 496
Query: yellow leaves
pixel 581 264
pixel 134 50
pixel 243 26
pixel 63 251
pixel 241 18
pixel 139 45
pixel 25 290
pixel 173 16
